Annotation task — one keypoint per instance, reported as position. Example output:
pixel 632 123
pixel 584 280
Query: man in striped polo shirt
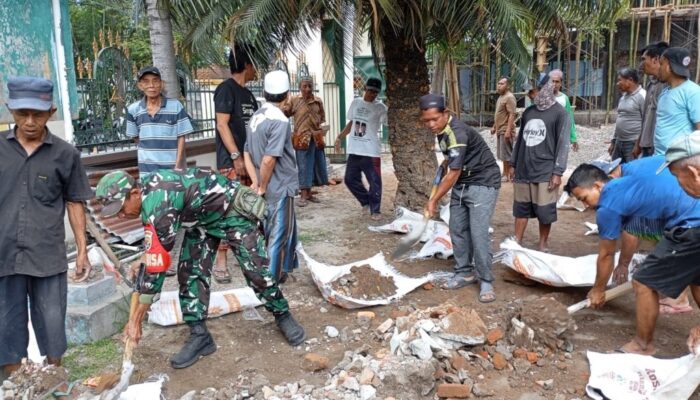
pixel 158 125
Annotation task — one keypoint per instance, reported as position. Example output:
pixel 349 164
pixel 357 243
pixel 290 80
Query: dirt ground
pixel 335 232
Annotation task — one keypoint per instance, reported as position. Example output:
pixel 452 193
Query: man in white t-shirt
pixel 365 118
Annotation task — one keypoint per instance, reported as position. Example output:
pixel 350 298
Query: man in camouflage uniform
pixel 210 208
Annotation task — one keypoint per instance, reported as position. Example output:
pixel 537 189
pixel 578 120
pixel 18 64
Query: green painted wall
pixel 27 46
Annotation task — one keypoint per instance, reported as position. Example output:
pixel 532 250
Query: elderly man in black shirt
pixel 41 177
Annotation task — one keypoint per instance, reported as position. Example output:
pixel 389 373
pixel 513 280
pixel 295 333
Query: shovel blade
pixel 409 240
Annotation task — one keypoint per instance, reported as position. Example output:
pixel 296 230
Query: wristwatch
pixel 235 155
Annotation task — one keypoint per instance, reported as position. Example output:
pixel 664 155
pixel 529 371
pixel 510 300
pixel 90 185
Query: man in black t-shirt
pixel 474 178
pixel 234 104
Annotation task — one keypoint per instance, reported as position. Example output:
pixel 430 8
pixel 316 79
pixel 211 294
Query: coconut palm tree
pixel 399 31
pixel 160 30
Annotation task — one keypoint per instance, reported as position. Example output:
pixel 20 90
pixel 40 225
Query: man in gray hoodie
pixel 538 162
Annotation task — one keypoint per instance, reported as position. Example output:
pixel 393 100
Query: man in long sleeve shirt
pixel 538 162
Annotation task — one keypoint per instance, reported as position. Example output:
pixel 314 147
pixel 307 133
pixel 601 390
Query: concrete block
pixel 91 293
pixel 88 323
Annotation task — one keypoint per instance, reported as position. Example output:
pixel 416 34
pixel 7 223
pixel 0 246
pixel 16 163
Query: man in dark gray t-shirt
pixel 271 163
pixel 538 161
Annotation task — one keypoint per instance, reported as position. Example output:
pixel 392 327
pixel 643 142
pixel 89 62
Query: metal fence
pixel 106 93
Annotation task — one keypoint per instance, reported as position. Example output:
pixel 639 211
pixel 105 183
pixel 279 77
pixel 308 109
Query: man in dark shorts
pixel 538 162
pixel 683 160
pixel 234 105
pixel 42 177
pixel 671 267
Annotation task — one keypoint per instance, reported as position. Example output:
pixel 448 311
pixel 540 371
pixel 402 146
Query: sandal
pixel 670 309
pixel 488 296
pixel 460 281
pixel 302 202
pixel 221 275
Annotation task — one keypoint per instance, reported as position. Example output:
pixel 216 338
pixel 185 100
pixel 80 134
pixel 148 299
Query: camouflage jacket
pixel 195 198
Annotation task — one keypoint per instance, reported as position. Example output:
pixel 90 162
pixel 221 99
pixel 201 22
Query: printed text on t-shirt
pixel 534 133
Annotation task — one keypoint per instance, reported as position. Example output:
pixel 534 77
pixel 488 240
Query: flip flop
pixel 221 275
pixel 460 281
pixel 302 203
pixel 488 296
pixel 621 350
pixel 669 309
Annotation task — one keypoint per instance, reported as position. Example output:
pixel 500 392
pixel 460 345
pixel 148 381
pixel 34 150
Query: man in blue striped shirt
pixel 158 125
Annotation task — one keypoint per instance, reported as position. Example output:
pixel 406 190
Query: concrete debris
pixel 331 331
pixel 385 326
pixel 547 384
pixel 421 349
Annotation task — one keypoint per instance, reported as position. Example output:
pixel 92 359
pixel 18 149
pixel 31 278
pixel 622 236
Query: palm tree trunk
pixel 162 45
pixel 412 145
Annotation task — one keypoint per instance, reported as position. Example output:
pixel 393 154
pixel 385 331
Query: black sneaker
pixel 199 344
pixel 292 331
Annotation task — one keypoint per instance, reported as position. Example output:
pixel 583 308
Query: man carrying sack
pixel 211 208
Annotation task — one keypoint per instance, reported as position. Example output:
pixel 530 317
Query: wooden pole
pixel 636 44
pixel 611 51
pixel 579 41
pixel 631 46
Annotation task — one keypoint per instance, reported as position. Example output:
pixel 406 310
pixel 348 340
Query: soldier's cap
pixel 606 166
pixel 431 100
pixel 28 92
pixel 686 146
pixel 147 70
pixel 112 190
pixel 373 85
pixel 679 60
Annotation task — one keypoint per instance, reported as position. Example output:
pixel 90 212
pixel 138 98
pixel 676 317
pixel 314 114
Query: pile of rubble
pixel 34 381
pixel 440 352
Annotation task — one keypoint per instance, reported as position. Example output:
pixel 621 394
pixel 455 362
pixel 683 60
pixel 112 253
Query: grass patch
pixel 313 236
pixel 91 359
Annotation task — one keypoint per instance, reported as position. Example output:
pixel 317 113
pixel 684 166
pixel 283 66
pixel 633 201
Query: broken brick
pixel 520 353
pixel 499 361
pixel 314 362
pixel 453 390
pixel 532 357
pixel 428 286
pixel 494 336
pixel 459 362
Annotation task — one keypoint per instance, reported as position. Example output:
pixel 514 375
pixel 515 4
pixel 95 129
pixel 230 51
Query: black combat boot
pixel 292 331
pixel 199 344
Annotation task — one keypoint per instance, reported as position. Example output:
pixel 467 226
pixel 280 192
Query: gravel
pixel 593 143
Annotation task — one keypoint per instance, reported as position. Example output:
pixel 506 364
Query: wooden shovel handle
pixel 129 345
pixel 610 294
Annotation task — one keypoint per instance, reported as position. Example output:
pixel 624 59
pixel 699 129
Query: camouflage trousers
pixel 197 259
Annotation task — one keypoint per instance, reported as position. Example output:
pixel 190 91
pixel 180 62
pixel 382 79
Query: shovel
pixel 610 294
pixel 127 366
pixel 414 235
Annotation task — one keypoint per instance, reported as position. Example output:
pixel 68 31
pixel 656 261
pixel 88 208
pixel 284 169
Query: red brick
pixel 520 353
pixel 459 362
pixel 314 362
pixel 532 357
pixel 499 361
pixel 454 390
pixel 494 336
pixel 483 354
